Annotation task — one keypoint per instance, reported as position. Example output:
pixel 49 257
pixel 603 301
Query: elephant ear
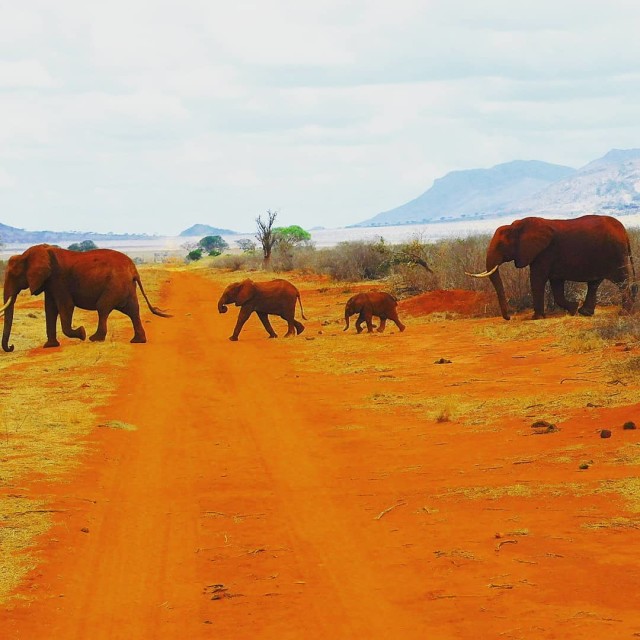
pixel 38 268
pixel 246 291
pixel 535 235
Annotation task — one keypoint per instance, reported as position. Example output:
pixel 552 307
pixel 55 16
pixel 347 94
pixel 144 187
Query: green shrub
pixel 85 245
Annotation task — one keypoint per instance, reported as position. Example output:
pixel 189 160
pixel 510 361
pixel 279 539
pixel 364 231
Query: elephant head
pixel 238 292
pixel 30 270
pixel 521 242
pixel 354 305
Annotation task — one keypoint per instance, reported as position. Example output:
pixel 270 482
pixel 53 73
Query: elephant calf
pixel 277 297
pixel 373 303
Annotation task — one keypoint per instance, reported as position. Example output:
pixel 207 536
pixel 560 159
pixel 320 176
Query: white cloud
pixel 122 116
pixel 24 73
pixel 6 180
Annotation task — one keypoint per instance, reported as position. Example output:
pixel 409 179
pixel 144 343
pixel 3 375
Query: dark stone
pixel 629 425
pixel 543 426
pixel 442 361
pixel 605 433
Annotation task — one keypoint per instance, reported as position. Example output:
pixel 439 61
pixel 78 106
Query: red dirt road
pixel 238 509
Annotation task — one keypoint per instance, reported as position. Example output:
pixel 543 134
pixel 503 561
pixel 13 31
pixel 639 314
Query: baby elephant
pixel 372 303
pixel 277 297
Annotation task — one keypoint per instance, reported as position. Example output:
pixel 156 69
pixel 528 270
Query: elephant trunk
pixel 496 280
pixel 494 260
pixel 8 322
pixel 348 312
pixel 222 307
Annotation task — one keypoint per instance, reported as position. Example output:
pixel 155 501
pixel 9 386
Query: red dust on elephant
pixel 586 249
pixel 372 303
pixel 277 297
pixel 100 280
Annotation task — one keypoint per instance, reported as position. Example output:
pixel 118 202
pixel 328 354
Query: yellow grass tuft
pixel 48 403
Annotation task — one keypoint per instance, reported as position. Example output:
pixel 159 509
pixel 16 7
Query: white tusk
pixel 6 305
pixel 484 274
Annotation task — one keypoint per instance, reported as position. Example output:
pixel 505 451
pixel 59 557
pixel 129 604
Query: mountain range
pixel 609 184
pixel 10 234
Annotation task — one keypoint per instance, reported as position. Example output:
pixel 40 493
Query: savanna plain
pixel 332 485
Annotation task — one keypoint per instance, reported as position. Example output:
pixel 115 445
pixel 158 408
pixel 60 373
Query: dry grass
pixel 48 403
pixel 21 520
pixel 628 488
pixel 491 411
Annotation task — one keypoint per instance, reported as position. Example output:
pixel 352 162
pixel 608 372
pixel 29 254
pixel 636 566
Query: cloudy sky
pixel 150 116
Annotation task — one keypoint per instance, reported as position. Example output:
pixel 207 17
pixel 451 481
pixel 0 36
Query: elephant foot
pixel 538 316
pixel 97 338
pixel 81 333
pixel 401 327
pixel 300 329
pixel 139 339
pixel 271 337
pixel 583 311
pixel 572 308
pixel 50 343
pixel 234 338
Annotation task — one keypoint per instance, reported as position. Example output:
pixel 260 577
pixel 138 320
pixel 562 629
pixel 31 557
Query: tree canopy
pixel 293 234
pixel 213 244
pixel 85 245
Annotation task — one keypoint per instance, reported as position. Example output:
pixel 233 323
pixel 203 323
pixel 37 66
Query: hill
pixel 201 230
pixel 475 193
pixel 610 184
pixel 10 234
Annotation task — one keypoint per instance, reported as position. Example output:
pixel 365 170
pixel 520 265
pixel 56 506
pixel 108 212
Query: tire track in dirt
pixel 220 431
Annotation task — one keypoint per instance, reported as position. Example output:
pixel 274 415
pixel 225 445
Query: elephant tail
pixel 154 310
pixel 301 309
pixel 633 269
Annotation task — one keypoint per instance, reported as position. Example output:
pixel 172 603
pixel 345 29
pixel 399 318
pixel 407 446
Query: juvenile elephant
pixel 587 249
pixel 373 303
pixel 100 280
pixel 277 297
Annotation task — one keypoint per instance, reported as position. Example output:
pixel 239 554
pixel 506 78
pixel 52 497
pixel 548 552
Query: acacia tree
pixel 288 239
pixel 267 236
pixel 213 245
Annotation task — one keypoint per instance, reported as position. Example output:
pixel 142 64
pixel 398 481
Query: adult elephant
pixel 100 280
pixel 587 249
pixel 276 297
pixel 369 304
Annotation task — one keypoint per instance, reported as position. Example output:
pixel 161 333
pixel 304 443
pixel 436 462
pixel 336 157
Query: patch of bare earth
pixel 348 486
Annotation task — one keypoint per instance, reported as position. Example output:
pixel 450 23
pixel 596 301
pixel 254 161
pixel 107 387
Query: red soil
pixel 260 500
pixel 466 303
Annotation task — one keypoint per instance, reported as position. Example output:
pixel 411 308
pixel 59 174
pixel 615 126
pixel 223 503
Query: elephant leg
pixel 368 318
pixel 51 314
pixel 101 329
pixel 588 307
pixel 299 326
pixel 264 318
pixel 394 318
pixel 359 322
pixel 383 324
pixel 291 327
pixel 132 309
pixel 557 287
pixel 243 316
pixel 66 320
pixel 628 295
pixel 538 283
